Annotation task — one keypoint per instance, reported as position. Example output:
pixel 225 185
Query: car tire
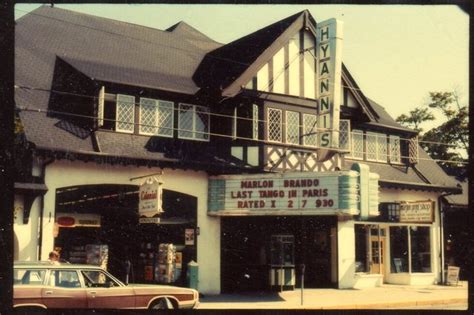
pixel 162 304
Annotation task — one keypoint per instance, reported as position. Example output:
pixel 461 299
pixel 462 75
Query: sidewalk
pixel 384 297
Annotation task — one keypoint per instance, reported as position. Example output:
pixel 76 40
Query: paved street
pixel 385 297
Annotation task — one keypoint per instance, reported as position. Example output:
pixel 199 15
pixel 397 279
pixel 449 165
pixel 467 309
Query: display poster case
pixel 282 262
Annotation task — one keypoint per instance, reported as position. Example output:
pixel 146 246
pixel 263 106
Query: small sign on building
pixel 150 201
pixel 452 275
pixel 417 211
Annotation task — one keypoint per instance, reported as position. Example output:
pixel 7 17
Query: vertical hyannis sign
pixel 329 68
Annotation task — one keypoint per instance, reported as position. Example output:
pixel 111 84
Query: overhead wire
pixel 37 110
pixel 200 112
pixel 192 52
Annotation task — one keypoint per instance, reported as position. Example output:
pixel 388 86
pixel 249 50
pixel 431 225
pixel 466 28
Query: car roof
pixel 48 264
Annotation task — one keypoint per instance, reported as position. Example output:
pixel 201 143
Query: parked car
pixel 44 285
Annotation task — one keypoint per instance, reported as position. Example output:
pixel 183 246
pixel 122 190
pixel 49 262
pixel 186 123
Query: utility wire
pixel 39 111
pixel 200 112
pixel 227 136
pixel 134 38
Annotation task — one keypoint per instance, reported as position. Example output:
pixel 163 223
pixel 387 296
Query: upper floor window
pixel 357 144
pixel 125 113
pixel 275 125
pixel 193 122
pixel 394 142
pixel 156 117
pixel 377 147
pixel 292 127
pixel 345 134
pixel 310 130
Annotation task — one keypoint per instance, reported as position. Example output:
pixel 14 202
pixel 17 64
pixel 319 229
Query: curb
pixel 398 304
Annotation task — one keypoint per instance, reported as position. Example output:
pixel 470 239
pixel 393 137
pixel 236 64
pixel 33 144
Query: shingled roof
pixel 164 60
pixel 385 120
pixel 229 66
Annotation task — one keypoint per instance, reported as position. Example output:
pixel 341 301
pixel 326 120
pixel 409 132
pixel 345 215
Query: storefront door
pixel 377 250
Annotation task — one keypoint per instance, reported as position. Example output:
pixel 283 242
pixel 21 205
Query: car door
pixel 64 290
pixel 104 292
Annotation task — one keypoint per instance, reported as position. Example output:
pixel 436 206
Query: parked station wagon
pixel 44 285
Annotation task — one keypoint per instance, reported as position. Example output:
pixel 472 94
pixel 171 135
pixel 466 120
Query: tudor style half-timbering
pixel 266 151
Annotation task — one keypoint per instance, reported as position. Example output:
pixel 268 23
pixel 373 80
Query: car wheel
pixel 162 304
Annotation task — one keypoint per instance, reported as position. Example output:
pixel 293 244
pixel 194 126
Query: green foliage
pixel 455 131
pixel 415 118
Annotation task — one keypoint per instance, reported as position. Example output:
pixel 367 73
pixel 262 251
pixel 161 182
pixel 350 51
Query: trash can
pixel 192 274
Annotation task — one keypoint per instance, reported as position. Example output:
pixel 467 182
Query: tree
pixel 415 118
pixel 448 141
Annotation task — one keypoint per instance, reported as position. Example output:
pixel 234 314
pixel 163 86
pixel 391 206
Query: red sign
pixel 66 221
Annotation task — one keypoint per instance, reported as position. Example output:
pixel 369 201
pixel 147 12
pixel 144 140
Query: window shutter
pixel 100 107
pixel 413 150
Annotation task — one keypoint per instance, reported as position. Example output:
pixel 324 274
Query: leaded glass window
pixel 371 139
pixel 292 127
pixel 345 134
pixel 165 118
pixel 193 122
pixel 357 144
pixel 395 149
pixel 274 125
pixel 310 130
pixel 156 117
pixel 148 115
pixel 125 113
pixel 382 148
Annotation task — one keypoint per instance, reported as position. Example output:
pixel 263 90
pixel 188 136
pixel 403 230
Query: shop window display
pixel 398 249
pixel 420 249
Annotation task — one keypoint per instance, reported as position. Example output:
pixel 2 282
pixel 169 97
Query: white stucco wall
pixel 346 254
pixel 27 234
pixel 67 173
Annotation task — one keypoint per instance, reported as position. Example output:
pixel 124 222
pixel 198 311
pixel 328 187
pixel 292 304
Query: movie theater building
pixel 251 158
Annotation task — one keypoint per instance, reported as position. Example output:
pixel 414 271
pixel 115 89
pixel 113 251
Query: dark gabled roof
pixel 231 66
pixel 115 73
pixel 425 175
pixel 358 94
pixel 108 49
pixel 385 120
pixel 460 200
pixel 184 29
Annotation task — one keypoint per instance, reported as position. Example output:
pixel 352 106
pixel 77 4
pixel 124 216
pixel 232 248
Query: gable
pixel 231 66
pixel 291 70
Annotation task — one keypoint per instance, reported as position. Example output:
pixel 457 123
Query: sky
pixel 396 53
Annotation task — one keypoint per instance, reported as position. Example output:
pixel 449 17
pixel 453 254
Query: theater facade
pixel 262 156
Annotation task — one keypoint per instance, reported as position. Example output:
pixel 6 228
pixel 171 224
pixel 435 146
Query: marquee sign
pixel 150 200
pixel 329 56
pixel 296 193
pixel 417 211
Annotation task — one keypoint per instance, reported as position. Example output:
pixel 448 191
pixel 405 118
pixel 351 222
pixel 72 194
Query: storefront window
pixel 420 249
pixel 361 248
pixel 398 249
